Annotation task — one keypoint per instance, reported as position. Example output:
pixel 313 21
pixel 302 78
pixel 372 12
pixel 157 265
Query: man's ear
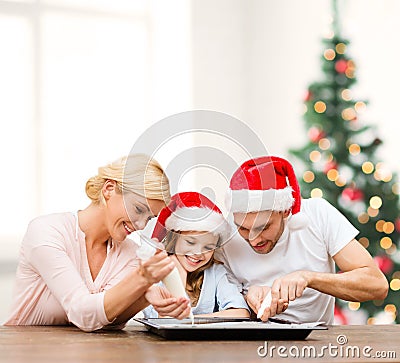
pixel 108 189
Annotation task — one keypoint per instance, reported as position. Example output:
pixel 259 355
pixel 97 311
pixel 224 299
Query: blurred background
pixel 82 79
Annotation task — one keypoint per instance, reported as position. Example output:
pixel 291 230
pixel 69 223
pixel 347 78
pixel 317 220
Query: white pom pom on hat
pixel 266 183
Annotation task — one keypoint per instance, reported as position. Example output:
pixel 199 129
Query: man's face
pixel 261 230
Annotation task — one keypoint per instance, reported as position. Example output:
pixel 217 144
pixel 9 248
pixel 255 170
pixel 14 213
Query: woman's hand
pixel 156 267
pixel 167 305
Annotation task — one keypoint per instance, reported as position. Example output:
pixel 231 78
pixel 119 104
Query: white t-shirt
pixel 310 248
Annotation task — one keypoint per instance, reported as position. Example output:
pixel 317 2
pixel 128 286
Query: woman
pixel 78 267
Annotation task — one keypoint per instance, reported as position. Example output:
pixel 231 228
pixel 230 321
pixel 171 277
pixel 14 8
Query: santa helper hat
pixel 191 211
pixel 266 183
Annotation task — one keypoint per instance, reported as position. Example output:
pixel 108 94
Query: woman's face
pixel 194 249
pixel 128 212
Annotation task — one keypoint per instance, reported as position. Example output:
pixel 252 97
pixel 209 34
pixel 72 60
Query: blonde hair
pixel 136 173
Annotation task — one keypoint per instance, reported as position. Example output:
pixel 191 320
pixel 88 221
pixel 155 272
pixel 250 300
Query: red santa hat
pixel 191 211
pixel 266 183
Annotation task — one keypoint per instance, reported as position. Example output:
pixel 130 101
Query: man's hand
pixel 255 297
pixel 167 305
pixel 291 286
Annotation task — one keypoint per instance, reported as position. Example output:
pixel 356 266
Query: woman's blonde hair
pixel 137 173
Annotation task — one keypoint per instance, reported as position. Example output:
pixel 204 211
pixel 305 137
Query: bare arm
pixel 132 310
pixel 360 280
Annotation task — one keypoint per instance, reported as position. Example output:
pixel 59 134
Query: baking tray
pixel 228 329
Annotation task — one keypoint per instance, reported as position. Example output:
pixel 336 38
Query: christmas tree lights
pixel 340 165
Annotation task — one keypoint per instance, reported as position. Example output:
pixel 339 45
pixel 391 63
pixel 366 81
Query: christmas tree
pixel 341 166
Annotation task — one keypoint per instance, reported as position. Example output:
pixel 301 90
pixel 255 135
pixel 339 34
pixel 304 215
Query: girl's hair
pixel 194 280
pixel 136 173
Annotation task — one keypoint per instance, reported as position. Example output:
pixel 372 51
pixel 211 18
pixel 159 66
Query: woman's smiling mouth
pixel 127 229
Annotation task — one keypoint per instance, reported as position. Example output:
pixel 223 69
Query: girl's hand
pixel 167 305
pixel 156 267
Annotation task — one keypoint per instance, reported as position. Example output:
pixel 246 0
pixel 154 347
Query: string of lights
pixel 342 166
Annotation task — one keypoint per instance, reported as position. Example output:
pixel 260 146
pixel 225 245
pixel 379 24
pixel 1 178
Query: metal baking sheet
pixel 228 329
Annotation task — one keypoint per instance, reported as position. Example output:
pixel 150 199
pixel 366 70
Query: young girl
pixel 191 227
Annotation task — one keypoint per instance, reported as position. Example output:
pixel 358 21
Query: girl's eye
pixel 138 210
pixel 190 243
pixel 209 248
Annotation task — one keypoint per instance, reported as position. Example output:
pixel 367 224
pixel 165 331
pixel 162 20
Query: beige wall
pixel 254 60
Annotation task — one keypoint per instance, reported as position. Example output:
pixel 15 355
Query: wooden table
pixel 135 344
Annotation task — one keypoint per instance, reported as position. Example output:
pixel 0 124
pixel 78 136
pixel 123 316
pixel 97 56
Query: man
pixel 292 246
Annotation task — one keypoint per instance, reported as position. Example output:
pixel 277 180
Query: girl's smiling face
pixel 194 249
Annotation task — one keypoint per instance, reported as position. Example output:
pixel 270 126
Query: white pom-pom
pixel 298 221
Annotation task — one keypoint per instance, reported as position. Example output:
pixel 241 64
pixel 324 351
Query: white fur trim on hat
pixel 197 219
pixel 247 201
